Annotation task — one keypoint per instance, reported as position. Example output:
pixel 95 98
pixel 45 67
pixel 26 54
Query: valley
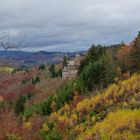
pixel 100 101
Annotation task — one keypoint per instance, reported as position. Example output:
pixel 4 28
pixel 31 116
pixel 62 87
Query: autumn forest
pixel 101 103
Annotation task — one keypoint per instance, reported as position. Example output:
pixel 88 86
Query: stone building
pixel 72 67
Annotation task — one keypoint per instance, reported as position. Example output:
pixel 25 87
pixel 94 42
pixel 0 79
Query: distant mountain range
pixel 20 58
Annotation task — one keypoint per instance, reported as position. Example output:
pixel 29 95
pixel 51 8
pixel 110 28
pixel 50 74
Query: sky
pixel 68 25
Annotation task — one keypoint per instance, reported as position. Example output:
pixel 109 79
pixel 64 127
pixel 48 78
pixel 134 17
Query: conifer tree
pixel 65 63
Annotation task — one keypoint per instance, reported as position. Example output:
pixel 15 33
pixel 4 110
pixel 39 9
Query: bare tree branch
pixel 7 45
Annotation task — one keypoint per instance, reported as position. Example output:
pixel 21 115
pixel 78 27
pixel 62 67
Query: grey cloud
pixel 69 25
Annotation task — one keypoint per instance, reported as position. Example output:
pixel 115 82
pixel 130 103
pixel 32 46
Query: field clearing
pixel 6 69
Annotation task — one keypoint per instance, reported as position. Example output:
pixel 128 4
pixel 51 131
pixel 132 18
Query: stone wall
pixel 72 69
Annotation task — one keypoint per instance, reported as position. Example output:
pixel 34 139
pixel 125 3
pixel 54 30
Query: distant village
pixel 68 72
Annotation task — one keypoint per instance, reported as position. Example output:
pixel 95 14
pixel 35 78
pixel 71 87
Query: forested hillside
pixel 101 103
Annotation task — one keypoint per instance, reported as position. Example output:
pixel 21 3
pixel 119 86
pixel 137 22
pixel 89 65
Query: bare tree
pixel 7 45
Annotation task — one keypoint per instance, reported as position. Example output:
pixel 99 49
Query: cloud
pixel 69 25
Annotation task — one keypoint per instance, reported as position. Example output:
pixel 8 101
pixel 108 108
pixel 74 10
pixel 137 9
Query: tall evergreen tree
pixel 65 63
pixel 93 70
pixel 135 54
pixel 52 70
